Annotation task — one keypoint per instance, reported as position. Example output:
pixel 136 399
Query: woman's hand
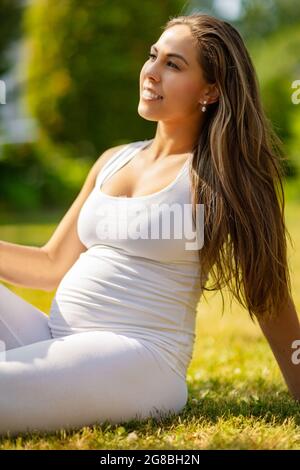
pixel 283 336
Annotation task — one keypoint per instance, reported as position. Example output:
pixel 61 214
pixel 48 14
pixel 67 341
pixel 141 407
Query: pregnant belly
pixel 105 289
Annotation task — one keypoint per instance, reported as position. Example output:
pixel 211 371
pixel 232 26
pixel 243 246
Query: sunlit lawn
pixel 237 397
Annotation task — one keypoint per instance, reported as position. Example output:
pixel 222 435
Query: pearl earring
pixel 204 107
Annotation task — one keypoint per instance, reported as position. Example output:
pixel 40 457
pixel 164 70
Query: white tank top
pixel 141 287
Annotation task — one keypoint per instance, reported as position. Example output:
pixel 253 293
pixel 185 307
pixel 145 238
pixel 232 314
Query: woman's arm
pixel 44 267
pixel 281 333
pixel 26 266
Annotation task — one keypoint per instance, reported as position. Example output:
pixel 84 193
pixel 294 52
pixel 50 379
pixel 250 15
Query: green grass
pixel 237 396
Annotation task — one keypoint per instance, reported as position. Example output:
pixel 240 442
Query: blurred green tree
pixel 84 65
pixel 258 19
pixel 10 30
pixel 277 64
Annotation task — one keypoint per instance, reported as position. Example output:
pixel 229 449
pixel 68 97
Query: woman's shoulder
pixel 107 155
pixel 113 152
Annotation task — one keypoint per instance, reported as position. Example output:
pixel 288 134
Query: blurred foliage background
pixel 75 68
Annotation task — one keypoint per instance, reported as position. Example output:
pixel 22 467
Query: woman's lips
pixel 147 95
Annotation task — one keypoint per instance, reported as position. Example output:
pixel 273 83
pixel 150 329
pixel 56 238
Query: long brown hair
pixel 236 172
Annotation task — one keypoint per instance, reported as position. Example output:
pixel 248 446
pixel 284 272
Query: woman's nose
pixel 152 71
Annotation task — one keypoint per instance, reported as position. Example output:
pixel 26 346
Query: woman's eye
pixel 173 65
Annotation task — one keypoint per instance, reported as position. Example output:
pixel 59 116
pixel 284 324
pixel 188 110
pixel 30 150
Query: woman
pixel 120 333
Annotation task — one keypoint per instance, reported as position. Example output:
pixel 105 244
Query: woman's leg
pixel 83 379
pixel 20 322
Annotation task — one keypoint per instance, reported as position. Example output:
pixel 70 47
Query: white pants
pixel 77 380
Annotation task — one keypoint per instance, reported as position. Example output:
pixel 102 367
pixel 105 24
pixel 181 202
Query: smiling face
pixel 178 81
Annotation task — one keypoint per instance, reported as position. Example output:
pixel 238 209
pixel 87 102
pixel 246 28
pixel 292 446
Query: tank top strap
pixel 118 159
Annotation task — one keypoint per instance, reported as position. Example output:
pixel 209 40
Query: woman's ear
pixel 213 94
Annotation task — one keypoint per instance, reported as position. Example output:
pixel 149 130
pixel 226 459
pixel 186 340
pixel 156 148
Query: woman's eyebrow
pixel 172 54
